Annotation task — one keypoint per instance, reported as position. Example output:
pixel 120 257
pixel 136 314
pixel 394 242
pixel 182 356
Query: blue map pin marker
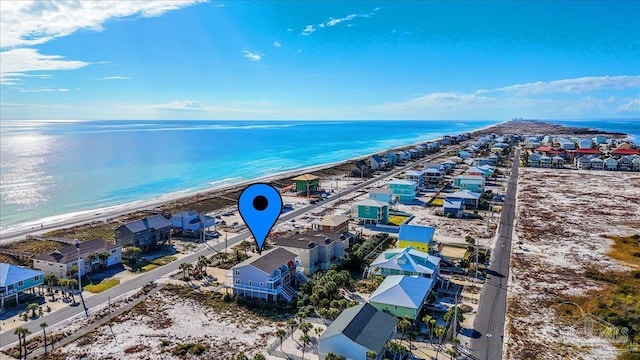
pixel 260 206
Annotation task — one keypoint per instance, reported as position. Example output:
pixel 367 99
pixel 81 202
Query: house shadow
pixel 107 273
pixel 8 313
pixel 470 333
pixel 494 273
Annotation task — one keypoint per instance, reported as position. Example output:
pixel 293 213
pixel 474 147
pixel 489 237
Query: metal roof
pixel 152 222
pixel 12 274
pixel 305 177
pixel 69 253
pixel 416 233
pixel 270 260
pixel 401 290
pixel 364 325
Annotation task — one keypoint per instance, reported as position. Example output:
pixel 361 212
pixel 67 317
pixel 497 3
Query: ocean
pixel 50 170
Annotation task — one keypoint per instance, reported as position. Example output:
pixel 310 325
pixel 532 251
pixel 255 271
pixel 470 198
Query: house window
pixel 261 284
pixel 250 282
pixel 36 278
pixel 37 261
pixel 113 251
pixel 20 283
pixel 237 281
pixel 237 272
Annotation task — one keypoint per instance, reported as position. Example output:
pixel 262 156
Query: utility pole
pixel 476 247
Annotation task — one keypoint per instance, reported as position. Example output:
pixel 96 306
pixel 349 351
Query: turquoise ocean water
pixel 52 169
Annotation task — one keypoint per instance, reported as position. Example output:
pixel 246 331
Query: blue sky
pixel 319 60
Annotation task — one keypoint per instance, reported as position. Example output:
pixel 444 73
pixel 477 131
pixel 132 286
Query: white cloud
pixel 16 62
pixel 277 44
pixel 117 77
pixel 255 103
pixel 220 5
pixel 334 22
pixel 576 85
pixel 630 105
pixel 289 29
pixel 308 30
pixel 28 23
pixel 188 105
pixel 252 56
pixel 42 90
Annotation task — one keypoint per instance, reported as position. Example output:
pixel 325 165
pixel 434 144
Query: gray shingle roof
pixel 69 254
pixel 364 325
pixel 270 260
pixel 307 240
pixel 152 222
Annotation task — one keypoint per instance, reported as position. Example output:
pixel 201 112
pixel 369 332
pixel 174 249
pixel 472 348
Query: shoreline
pixel 106 214
pixel 184 198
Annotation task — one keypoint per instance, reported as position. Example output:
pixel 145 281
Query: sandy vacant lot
pixel 562 216
pixel 154 329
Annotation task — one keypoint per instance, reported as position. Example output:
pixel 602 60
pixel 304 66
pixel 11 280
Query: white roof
pixel 407 259
pixel 401 290
pixel 413 172
pixel 402 182
pixel 371 202
pixel 464 194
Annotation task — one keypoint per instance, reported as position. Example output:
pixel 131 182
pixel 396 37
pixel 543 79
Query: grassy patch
pixel 149 267
pixel 437 202
pixel 102 286
pixel 626 249
pixel 397 220
pixel 163 260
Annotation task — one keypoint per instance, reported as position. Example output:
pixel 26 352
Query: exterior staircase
pixel 302 278
pixel 285 293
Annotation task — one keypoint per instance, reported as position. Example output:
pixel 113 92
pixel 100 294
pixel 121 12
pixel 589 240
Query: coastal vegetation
pixel 101 286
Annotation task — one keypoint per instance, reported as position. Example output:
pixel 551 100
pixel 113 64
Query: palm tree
pixel 72 283
pixel 237 253
pixel 440 330
pixel 22 339
pixel 92 258
pixel 203 262
pixel 103 256
pixel 184 267
pixel 244 244
pixel 411 335
pixel 305 327
pixel 32 307
pixel 404 325
pixel 280 333
pixel 242 356
pixel 50 279
pixel 44 331
pixel 259 356
pixel 63 286
pixel 427 319
pixel 305 340
pixel 292 323
pixel 432 327
pixel 73 271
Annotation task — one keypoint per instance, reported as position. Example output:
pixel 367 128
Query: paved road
pixel 489 321
pixel 8 338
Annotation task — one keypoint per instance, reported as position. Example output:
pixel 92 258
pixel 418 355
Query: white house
pixel 315 250
pixel 191 221
pixel 268 276
pixel 94 255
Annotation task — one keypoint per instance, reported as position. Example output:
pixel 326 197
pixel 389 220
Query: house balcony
pixel 258 289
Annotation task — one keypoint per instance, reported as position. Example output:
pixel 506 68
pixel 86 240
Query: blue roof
pixel 11 274
pixel 417 233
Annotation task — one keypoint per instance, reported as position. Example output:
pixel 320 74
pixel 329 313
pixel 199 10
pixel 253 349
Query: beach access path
pixel 490 318
pixel 9 339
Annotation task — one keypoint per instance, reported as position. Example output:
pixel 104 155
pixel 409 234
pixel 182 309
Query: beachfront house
pixel 95 255
pixel 191 222
pixel 268 276
pixel 417 236
pixel 306 184
pixel 381 194
pixel 474 183
pixel 468 198
pixel 405 261
pixel 359 333
pixel 315 250
pixel 392 158
pixel 583 163
pixel 600 139
pixel 404 190
pixel 376 162
pixel 557 162
pixel 610 164
pixel 596 164
pixel 432 176
pixel 534 160
pixel 402 295
pixel 545 161
pixel 337 224
pixel 452 209
pixel 415 176
pixel 625 163
pixel 147 233
pixel 15 280
pixel 635 164
pixel 372 211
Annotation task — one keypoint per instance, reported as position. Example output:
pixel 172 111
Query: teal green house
pixel 402 295
pixel 372 211
pixel 15 280
pixel 405 190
